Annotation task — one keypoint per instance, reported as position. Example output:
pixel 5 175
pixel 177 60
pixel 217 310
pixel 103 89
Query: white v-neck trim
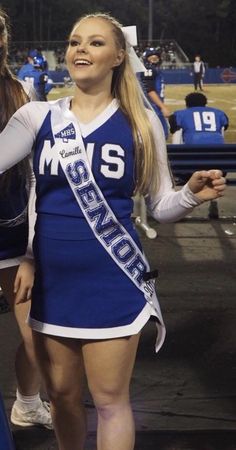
pixel 88 128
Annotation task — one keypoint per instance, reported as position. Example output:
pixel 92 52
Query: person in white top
pixel 28 408
pixel 93 290
pixel 198 73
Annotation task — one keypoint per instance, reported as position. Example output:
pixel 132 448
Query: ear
pixel 119 57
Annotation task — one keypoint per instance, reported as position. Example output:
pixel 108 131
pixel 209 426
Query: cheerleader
pixel 28 409
pixel 93 290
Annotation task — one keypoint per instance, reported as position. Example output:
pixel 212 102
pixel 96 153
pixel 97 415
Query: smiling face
pixel 92 53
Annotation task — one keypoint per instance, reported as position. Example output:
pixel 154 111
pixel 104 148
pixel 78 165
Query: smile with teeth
pixel 82 62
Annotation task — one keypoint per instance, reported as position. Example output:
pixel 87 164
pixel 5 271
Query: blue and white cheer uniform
pixel 79 289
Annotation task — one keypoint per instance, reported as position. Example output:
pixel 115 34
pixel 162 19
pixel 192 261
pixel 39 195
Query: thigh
pixel 109 364
pixel 61 363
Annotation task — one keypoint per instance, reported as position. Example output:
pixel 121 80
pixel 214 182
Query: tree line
pixel 207 27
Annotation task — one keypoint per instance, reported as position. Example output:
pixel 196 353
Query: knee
pixel 61 395
pixel 59 389
pixel 109 405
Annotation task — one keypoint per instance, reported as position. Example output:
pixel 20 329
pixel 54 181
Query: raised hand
pixel 207 184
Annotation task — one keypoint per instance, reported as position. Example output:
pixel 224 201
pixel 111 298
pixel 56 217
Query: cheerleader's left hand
pixel 207 184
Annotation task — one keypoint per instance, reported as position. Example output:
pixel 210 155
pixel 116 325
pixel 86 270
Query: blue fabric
pixel 77 284
pixel 152 80
pixel 38 79
pixel 6 440
pixel 54 195
pixel 13 239
pixel 201 125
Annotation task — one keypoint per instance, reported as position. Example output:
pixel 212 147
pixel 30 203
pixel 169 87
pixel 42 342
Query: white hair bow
pixel 130 34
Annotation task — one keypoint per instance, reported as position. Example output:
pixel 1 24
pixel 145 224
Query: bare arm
pixel 156 99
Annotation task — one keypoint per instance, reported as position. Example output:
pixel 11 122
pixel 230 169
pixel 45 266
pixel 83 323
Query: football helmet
pixel 39 62
pixel 150 52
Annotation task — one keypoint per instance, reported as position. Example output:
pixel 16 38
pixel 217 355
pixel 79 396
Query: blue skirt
pixel 79 291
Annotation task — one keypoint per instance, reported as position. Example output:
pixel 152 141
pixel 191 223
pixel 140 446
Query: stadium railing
pixel 186 159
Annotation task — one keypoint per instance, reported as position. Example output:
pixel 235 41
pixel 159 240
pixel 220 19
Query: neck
pixel 86 105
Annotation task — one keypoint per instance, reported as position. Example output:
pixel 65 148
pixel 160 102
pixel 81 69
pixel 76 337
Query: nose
pixel 81 48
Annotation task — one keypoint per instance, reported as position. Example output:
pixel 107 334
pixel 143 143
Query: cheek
pixel 67 56
pixel 108 59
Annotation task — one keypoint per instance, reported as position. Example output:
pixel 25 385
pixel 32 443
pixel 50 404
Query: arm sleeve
pixel 173 123
pixel 19 134
pixel 167 205
pixel 29 90
pixel 150 85
pixel 31 216
pixel 225 122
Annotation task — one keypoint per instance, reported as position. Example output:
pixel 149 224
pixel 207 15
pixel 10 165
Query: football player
pixel 36 74
pixel 199 123
pixel 153 85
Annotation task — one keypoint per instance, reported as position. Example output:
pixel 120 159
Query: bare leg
pixel 109 365
pixel 62 367
pixel 27 373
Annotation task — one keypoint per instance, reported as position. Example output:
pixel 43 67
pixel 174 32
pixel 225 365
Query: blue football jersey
pixel 24 71
pixel 152 80
pixel 200 125
pixel 38 79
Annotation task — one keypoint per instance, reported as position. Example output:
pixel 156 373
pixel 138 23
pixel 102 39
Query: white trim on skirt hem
pixel 103 333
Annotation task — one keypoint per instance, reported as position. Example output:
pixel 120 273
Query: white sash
pixel 111 234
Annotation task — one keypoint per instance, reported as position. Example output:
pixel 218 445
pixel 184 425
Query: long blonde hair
pixel 126 89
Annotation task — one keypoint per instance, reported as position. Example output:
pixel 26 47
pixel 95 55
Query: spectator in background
pixel 35 72
pixel 198 123
pixel 28 66
pixel 198 73
pixel 153 85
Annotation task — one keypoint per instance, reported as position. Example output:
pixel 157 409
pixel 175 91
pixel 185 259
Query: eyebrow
pixel 89 37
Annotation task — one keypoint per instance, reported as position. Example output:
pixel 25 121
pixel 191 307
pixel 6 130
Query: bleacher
pixel 185 159
pixel 172 55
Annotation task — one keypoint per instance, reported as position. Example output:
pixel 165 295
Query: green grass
pixel 221 96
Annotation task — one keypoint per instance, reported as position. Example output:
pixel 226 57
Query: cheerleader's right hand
pixel 24 281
